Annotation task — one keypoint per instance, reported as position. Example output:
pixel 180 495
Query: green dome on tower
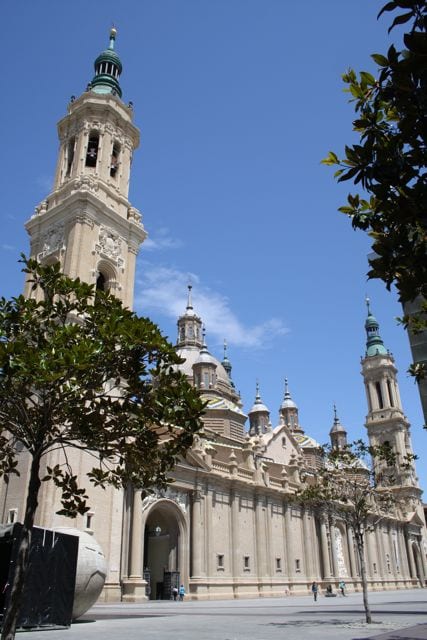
pixel 374 343
pixel 108 68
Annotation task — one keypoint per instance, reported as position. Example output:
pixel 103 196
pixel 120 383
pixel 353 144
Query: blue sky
pixel 237 102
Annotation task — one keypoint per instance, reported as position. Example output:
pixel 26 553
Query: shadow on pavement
pixel 115 616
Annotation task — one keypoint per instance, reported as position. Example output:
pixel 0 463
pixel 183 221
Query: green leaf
pixel 368 78
pixel 330 159
pixel 404 17
pixel 381 60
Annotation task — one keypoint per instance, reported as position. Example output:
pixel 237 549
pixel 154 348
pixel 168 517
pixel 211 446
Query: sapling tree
pixel 80 371
pixel 356 485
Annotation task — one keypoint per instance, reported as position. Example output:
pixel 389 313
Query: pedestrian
pixel 181 593
pixel 314 590
pixel 175 593
pixel 341 587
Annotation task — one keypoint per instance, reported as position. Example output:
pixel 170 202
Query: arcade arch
pixel 165 559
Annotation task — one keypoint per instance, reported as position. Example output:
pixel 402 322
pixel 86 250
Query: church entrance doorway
pixel 162 552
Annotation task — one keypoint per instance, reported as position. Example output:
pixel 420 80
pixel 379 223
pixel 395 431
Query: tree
pixel 390 161
pixel 78 370
pixel 353 492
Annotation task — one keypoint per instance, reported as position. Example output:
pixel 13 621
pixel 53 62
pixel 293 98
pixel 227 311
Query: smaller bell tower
pixel 87 223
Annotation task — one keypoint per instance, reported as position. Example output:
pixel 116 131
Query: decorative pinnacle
pixel 368 302
pixel 257 396
pixel 225 349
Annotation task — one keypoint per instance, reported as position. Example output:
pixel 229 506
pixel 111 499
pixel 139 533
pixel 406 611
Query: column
pixel 423 560
pixel 333 547
pixel 316 548
pixel 236 559
pixel 136 537
pixel 370 554
pixel 260 534
pixel 393 561
pixel 208 530
pixel 268 559
pixel 419 564
pixel 290 560
pixel 325 550
pixel 404 566
pixel 380 551
pixel 412 570
pixel 351 558
pixel 197 530
pixel 307 543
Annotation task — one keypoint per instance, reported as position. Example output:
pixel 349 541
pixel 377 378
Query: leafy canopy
pixel 79 370
pixel 390 160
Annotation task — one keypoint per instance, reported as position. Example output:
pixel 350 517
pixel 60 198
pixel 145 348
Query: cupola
pixel 374 343
pixel 204 368
pixel 288 411
pixel 108 68
pixel 337 434
pixel 189 326
pixel 259 416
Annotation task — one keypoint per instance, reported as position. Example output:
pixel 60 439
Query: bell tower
pixel 87 223
pixel 386 422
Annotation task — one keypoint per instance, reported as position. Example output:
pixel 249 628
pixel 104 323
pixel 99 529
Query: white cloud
pixel 164 290
pixel 162 240
pixel 8 247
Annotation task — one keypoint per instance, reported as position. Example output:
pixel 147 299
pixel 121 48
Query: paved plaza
pixel 397 615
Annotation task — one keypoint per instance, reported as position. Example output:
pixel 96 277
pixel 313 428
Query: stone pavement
pixel 397 615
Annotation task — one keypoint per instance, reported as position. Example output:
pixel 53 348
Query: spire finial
pixel 368 303
pixel 257 396
pixel 226 363
pixel 113 33
pixel 287 392
pixel 189 301
pixel 336 419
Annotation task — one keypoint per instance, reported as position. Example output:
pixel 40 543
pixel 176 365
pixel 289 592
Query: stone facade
pixel 226 528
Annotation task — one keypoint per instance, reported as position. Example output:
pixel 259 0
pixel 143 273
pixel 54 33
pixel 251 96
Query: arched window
pixel 92 149
pixel 379 395
pixel 114 165
pixel 390 393
pixel 70 156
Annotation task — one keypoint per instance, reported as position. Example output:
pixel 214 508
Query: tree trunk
pixel 17 588
pixel 361 551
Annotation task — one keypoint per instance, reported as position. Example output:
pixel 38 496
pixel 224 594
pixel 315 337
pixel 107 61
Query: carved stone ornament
pixel 41 208
pixel 134 214
pixel 85 183
pixel 110 245
pixel 52 240
pixel 179 497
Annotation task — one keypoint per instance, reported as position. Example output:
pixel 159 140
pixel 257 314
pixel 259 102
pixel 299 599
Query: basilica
pixel 227 526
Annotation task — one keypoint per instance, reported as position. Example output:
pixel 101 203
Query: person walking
pixel 341 587
pixel 314 590
pixel 181 593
